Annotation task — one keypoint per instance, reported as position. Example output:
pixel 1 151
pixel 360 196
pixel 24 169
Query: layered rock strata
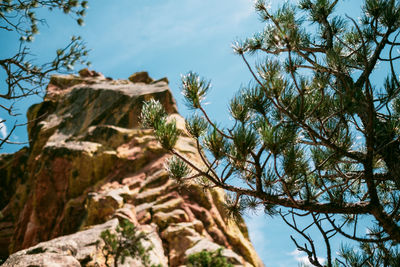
pixel 89 164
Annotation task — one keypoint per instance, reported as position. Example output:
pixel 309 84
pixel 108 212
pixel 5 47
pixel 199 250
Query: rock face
pixel 90 164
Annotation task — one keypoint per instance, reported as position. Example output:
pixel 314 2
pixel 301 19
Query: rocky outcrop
pixel 88 164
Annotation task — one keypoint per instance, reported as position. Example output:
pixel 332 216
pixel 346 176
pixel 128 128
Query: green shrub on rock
pixel 125 242
pixel 208 259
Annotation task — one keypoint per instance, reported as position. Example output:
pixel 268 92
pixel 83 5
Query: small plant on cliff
pixel 125 242
pixel 316 134
pixel 208 259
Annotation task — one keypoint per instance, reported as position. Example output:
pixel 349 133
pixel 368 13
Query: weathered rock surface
pixel 89 164
pixel 82 249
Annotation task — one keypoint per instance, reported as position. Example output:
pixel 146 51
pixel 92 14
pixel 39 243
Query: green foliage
pixel 154 116
pixel 177 168
pixel 167 133
pixel 256 101
pixel 196 126
pixel 235 206
pixel 25 12
pixel 24 74
pixel 238 108
pixel 152 113
pixel 315 132
pixel 208 259
pixel 194 89
pixel 244 141
pixel 216 143
pixel 126 241
pixel 378 254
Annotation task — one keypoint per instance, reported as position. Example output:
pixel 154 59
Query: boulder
pixel 140 77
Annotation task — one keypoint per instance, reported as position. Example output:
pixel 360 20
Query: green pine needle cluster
pixel 177 169
pixel 153 115
pixel 195 89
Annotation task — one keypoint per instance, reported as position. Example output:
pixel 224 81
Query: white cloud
pixel 3 129
pixel 256 225
pixel 167 25
pixel 302 258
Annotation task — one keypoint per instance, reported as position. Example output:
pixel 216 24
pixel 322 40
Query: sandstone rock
pixel 168 206
pixel 84 73
pixel 82 249
pixel 127 212
pixel 89 163
pixel 157 253
pixel 180 237
pixel 163 219
pixel 165 80
pixel 206 245
pixel 12 195
pixel 54 259
pixel 141 77
pixel 101 206
pixel 70 250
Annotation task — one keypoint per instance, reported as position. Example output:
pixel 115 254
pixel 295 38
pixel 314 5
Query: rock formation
pixel 89 164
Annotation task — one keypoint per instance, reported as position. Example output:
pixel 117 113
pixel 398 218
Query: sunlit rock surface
pixel 89 164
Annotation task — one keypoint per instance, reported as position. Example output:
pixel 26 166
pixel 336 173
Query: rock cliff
pixel 89 164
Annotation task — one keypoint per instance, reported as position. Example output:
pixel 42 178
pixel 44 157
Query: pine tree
pixel 25 77
pixel 125 241
pixel 316 133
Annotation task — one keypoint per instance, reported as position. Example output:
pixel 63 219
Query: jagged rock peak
pixel 89 164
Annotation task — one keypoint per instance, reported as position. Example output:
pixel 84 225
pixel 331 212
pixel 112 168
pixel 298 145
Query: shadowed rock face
pixel 89 163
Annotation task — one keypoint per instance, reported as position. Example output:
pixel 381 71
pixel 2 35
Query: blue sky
pixel 168 38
